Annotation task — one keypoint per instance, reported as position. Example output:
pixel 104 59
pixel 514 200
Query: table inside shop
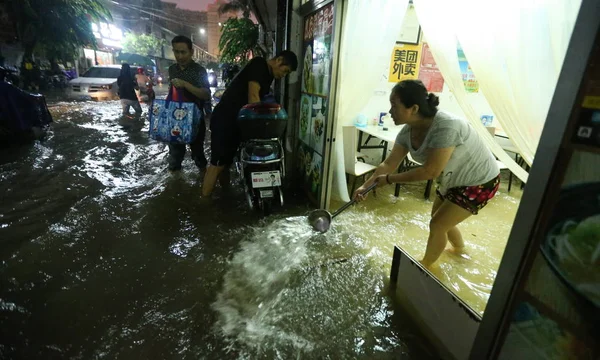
pixel 506 144
pixel 386 136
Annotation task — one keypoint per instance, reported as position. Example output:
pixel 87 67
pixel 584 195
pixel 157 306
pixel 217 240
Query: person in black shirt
pixel 127 86
pixel 250 85
pixel 190 79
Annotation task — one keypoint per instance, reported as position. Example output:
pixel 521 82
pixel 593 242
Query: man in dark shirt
pixel 249 86
pixel 191 81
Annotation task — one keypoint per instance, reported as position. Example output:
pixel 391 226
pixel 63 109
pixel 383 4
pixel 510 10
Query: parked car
pixel 97 83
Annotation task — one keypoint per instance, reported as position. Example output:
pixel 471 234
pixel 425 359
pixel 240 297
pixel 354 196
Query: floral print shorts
pixel 472 198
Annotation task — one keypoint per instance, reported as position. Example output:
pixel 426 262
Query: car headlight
pixel 106 87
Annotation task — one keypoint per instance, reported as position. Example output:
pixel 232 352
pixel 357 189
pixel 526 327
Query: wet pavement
pixel 107 255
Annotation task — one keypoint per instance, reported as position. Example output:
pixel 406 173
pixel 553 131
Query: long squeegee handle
pixel 351 202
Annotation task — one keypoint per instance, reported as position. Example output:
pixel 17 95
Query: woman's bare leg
pixel 447 216
pixel 454 235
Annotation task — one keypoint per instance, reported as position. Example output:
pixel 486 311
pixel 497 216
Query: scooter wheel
pixel 267 206
pixel 250 201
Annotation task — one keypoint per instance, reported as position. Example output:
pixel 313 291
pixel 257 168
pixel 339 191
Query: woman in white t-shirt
pixel 450 151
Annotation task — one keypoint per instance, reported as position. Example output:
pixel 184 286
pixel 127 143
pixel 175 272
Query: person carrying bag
pixel 184 121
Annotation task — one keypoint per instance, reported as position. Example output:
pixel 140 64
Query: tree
pixel 239 40
pixel 146 45
pixel 236 6
pixel 59 27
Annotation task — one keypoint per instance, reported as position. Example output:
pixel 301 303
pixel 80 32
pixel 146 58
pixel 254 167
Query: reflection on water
pixel 107 255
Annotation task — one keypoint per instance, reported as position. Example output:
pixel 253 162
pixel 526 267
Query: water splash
pixel 258 279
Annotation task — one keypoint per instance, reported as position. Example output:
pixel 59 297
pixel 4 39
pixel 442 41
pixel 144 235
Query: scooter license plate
pixel 266 179
pixel 266 194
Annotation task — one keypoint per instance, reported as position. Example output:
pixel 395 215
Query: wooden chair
pixel 354 167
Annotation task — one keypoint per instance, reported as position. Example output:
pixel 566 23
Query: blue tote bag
pixel 174 120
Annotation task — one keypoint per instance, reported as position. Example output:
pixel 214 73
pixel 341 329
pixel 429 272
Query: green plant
pixel 58 27
pixel 239 40
pixel 146 45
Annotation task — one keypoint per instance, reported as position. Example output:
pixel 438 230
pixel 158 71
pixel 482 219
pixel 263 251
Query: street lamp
pixel 202 31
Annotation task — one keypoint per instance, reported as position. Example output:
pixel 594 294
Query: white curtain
pixel 437 23
pixel 515 48
pixel 369 31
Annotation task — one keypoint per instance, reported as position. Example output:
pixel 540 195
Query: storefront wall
pixel 316 47
pixel 393 70
pixel 99 57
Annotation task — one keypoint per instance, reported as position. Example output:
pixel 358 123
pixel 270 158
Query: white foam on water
pixel 258 279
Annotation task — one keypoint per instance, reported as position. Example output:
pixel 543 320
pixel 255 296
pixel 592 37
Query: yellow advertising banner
pixel 591 102
pixel 405 62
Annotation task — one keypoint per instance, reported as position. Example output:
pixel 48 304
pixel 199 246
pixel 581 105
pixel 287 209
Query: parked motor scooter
pixel 24 116
pixel 260 163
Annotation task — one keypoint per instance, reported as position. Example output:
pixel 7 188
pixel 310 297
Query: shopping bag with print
pixel 174 120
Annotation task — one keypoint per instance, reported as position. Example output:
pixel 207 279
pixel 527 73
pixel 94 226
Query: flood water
pixel 387 221
pixel 106 255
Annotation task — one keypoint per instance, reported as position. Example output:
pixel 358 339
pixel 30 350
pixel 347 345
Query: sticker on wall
pixel 471 84
pixel 429 73
pixel 307 74
pixel 321 61
pixel 404 63
pixel 487 120
pixel 319 111
pixel 305 118
pixel 300 159
pixel 315 174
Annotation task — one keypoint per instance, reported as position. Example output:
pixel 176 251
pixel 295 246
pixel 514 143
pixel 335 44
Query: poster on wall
pixel 559 309
pixel 319 112
pixel 310 166
pixel 305 118
pixel 471 84
pixel 315 85
pixel 405 62
pixel 429 73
